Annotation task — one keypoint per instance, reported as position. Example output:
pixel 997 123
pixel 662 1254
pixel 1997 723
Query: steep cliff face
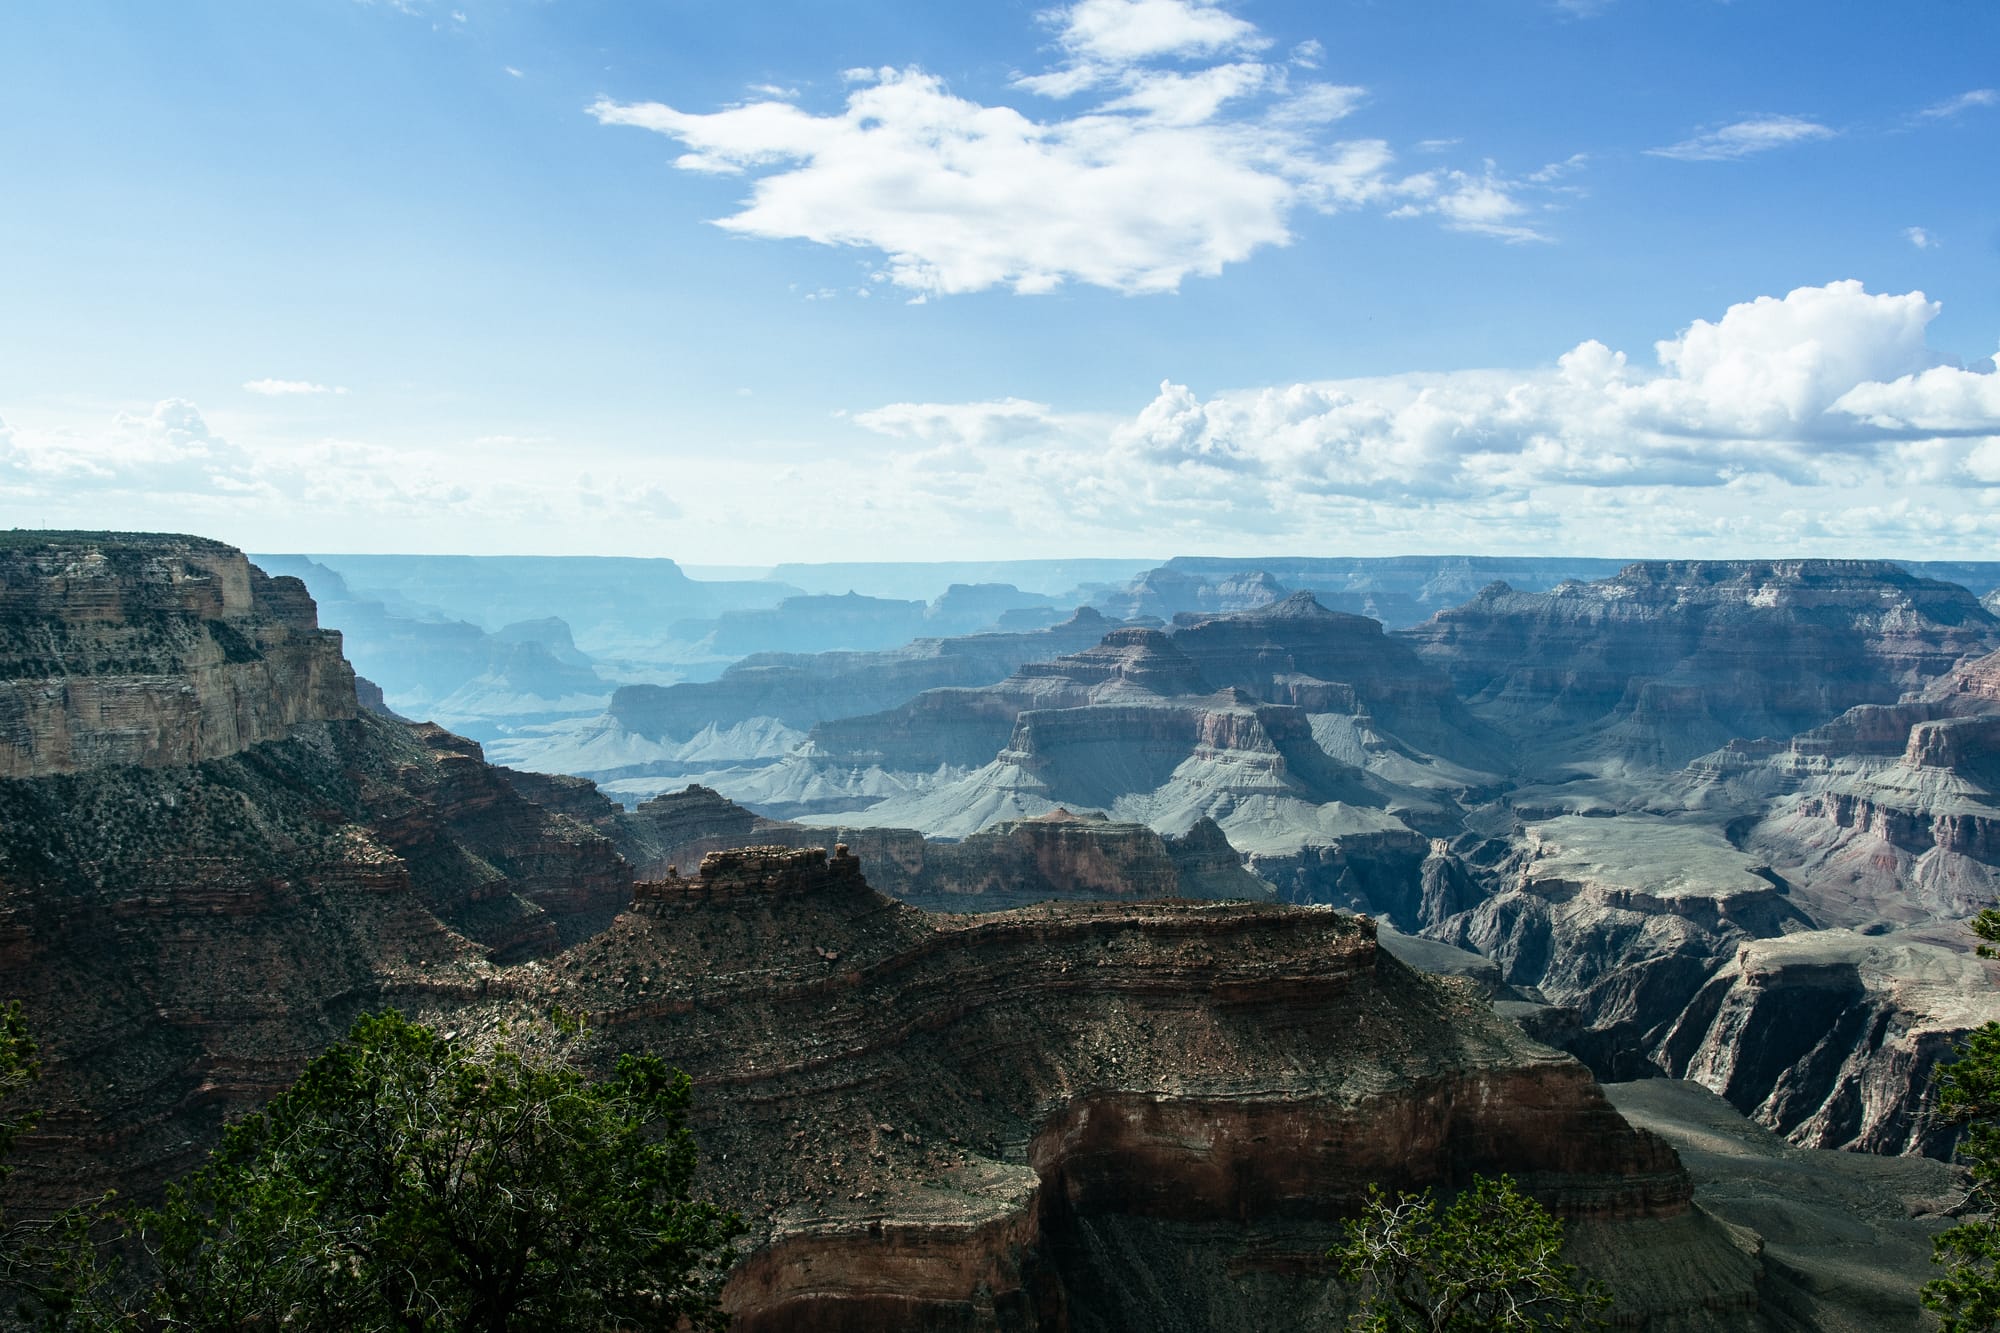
pixel 1092 1116
pixel 194 900
pixel 184 937
pixel 1063 857
pixel 1257 770
pixel 152 650
pixel 1670 660
pixel 1822 1036
pixel 656 737
pixel 1295 651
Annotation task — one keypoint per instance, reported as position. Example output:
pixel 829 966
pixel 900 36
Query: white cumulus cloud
pixel 1129 31
pixel 1192 153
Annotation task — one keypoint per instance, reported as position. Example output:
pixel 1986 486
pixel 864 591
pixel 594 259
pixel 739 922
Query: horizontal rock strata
pixel 922 1114
pixel 152 650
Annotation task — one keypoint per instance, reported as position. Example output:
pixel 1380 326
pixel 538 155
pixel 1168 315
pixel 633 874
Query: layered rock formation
pixel 801 691
pixel 1057 857
pixel 1091 1116
pixel 1886 817
pixel 1670 660
pixel 1298 652
pixel 1622 920
pixel 1678 951
pixel 211 857
pixel 1823 1035
pixel 1343 764
pixel 1276 723
pixel 185 936
pixel 853 622
pixel 152 650
pixel 758 710
pixel 1398 590
pixel 1877 825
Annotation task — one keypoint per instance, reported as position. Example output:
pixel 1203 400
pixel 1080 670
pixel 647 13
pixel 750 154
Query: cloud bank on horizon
pixel 1829 390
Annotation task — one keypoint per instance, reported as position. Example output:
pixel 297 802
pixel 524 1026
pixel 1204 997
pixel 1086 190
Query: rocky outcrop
pixel 944 1122
pixel 759 710
pixel 1296 651
pixel 1623 920
pixel 1829 1037
pixel 1886 817
pixel 1670 660
pixel 1058 857
pixel 185 937
pixel 152 650
pixel 369 696
pixel 1258 770
pixel 1062 857
pixel 1098 1115
pixel 1397 874
pixel 1274 723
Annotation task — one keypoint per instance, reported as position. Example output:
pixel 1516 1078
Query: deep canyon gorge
pixel 1073 974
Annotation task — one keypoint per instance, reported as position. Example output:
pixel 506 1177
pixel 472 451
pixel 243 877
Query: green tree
pixel 413 1181
pixel 18 1069
pixel 1967 1296
pixel 1489 1260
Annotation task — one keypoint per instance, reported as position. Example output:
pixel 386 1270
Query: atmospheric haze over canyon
pixel 1078 971
pixel 1146 637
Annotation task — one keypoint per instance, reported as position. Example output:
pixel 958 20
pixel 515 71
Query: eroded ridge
pixel 940 1121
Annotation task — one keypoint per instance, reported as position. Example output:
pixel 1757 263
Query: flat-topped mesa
pixel 1766 578
pixel 1273 651
pixel 751 873
pixel 153 650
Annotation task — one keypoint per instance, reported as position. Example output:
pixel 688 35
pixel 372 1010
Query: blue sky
pixel 749 282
